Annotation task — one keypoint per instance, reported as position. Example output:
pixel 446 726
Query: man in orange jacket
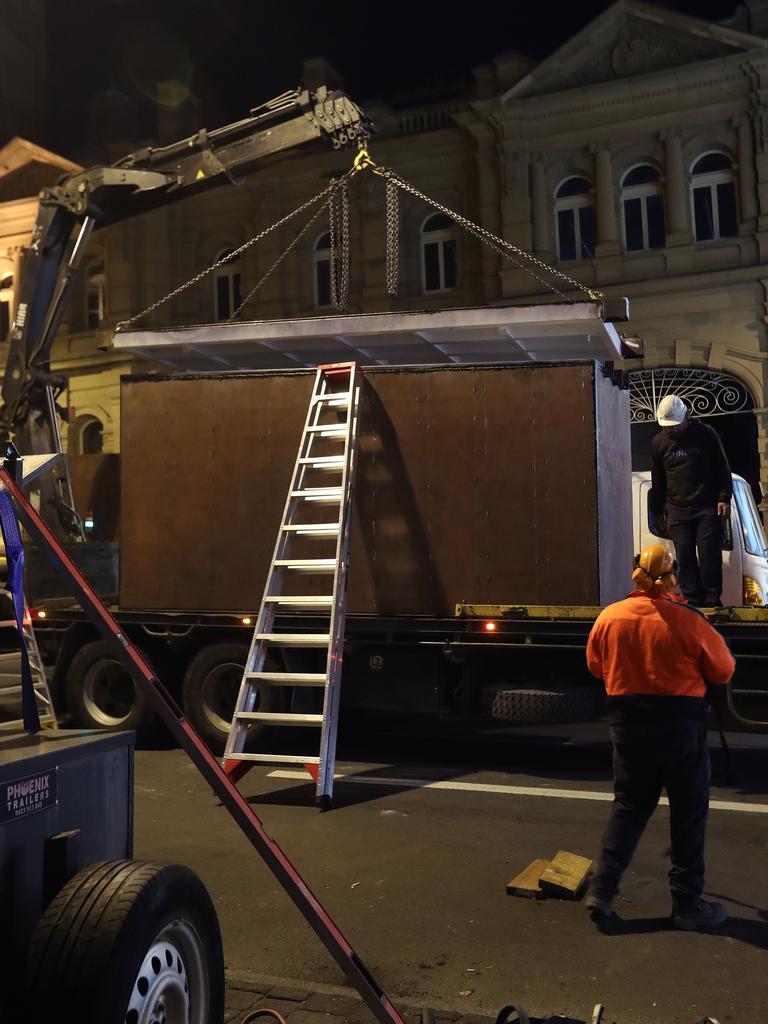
pixel 656 656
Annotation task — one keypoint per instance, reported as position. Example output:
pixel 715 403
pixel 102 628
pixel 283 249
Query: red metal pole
pixel 165 706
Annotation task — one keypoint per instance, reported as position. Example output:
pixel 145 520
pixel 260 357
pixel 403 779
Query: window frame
pixel 573 202
pixel 710 180
pixel 642 192
pixel 439 237
pixel 230 271
pixel 95 285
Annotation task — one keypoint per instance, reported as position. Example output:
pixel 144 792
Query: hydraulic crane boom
pixel 81 202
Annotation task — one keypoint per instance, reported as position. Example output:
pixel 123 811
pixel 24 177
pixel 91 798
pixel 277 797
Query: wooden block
pixel 565 875
pixel 527 882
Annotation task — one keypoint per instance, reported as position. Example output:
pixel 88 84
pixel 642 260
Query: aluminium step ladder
pixel 10 681
pixel 310 542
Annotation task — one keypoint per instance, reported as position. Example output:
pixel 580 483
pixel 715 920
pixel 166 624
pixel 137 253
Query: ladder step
pixel 319 495
pixel 295 639
pixel 307 564
pixel 293 678
pixel 337 399
pixel 329 430
pixel 324 462
pixel 274 758
pixel 313 529
pixel 274 718
pixel 296 601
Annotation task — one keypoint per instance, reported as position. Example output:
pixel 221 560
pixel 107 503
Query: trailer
pixel 483 469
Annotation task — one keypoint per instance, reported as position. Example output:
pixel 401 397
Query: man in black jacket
pixel 692 492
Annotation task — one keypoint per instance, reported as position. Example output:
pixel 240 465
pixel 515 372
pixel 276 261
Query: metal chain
pixel 233 255
pixel 277 263
pixel 338 219
pixel 500 245
pixel 344 203
pixel 393 236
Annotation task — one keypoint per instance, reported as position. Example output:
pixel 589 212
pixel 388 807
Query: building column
pixel 607 234
pixel 540 209
pixel 747 179
pixel 676 195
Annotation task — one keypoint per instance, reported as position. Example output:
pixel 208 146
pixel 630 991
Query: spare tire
pixel 547 707
pixel 129 941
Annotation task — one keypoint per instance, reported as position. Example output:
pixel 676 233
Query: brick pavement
pixel 320 1004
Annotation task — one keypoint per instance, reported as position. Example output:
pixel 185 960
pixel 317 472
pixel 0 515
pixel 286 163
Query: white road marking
pixel 483 787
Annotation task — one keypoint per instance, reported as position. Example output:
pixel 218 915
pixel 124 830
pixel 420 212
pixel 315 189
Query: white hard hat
pixel 671 411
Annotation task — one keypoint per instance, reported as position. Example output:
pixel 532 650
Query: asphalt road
pixel 415 876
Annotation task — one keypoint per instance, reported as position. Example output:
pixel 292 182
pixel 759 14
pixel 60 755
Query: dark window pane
pixel 726 209
pixel 93 308
pixel 640 175
pixel 323 242
pixel 93 438
pixel 633 225
pixel 449 263
pixel 588 229
pixel 431 267
pixel 702 214
pixel 323 277
pixel 574 187
pixel 5 319
pixel 654 211
pixel 566 234
pixel 222 297
pixel 712 162
pixel 437 222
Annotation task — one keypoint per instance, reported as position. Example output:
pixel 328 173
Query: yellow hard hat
pixel 655 569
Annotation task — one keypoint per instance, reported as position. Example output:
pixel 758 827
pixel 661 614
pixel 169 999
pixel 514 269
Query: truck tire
pixel 100 693
pixel 209 692
pixel 132 942
pixel 546 707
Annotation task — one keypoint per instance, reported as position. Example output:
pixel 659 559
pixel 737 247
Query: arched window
pixel 94 295
pixel 642 201
pixel 227 294
pixel 321 265
pixel 86 436
pixel 713 197
pixel 6 304
pixel 438 253
pixel 575 216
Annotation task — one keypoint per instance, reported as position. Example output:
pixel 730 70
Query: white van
pixel 745 551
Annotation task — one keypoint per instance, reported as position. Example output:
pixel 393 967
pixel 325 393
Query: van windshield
pixel 751 526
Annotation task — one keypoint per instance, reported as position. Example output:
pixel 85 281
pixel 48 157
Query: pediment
pixel 628 40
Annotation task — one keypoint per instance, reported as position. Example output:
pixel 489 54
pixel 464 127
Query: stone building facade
pixel 635 159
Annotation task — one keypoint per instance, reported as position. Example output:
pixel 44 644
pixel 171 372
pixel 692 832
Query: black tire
pixel 119 936
pixel 210 688
pixel 547 707
pixel 100 693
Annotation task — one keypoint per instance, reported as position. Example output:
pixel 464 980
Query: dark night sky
pixel 233 54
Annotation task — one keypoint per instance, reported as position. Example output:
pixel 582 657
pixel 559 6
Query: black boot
pixel 693 914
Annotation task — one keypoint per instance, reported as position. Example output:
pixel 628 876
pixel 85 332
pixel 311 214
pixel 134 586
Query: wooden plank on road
pixel 566 875
pixel 527 882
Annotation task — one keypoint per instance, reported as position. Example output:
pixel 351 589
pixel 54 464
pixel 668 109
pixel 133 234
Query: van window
pixel 751 527
pixel 650 516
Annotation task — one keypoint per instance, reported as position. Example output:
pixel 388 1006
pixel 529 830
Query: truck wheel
pixel 209 692
pixel 100 693
pixel 132 942
pixel 546 707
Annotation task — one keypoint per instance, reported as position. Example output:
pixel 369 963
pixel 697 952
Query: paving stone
pixel 239 1000
pixel 295 995
pixel 303 1016
pixel 342 1005
pixel 475 1018
pixel 446 1016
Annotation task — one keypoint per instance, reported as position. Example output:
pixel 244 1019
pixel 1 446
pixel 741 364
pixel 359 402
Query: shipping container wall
pixel 474 485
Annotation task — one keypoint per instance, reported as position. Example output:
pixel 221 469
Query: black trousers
pixel 649 756
pixel 701 579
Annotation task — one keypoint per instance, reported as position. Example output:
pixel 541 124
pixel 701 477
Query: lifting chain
pixel 393 237
pixel 336 199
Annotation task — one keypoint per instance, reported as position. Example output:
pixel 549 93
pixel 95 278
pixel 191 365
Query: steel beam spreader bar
pixel 165 706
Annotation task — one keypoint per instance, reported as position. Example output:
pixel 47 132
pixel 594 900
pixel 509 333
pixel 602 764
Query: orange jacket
pixel 655 645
